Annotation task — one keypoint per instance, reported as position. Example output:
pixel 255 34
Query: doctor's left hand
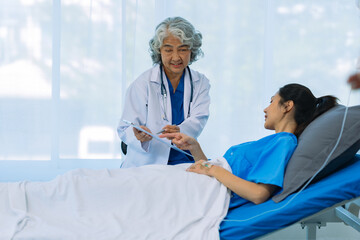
pixel 141 136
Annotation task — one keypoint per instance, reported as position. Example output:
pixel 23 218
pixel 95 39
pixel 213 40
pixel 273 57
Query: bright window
pixel 65 66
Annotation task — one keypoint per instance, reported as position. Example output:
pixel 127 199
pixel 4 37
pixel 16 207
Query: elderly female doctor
pixel 170 97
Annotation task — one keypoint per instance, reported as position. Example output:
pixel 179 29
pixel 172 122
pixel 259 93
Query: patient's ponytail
pixel 307 106
pixel 323 104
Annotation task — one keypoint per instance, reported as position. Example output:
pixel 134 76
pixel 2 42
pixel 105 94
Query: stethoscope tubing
pixel 164 93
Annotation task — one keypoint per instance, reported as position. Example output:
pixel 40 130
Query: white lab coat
pixel 144 105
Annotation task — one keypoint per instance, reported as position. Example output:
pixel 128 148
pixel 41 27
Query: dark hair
pixel 307 106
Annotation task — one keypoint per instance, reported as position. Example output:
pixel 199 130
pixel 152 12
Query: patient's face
pixel 273 113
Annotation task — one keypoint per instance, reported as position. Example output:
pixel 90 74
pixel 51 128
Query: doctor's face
pixel 175 56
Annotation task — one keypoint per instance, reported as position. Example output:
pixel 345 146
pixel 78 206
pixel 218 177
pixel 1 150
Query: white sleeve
pixel 199 110
pixel 135 110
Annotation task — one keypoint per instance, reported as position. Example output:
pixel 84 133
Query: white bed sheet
pixel 149 202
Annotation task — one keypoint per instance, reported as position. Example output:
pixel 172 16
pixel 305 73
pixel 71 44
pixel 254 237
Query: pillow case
pixel 316 143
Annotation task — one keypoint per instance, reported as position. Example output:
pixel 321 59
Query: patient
pixel 258 167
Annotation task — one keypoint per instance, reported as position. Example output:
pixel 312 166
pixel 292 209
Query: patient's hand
pixel 181 140
pixel 186 142
pixel 200 167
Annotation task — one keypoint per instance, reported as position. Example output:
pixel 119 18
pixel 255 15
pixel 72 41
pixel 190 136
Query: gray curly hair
pixel 180 28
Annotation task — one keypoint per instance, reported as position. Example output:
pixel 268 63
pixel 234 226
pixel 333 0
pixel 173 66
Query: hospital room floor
pixel 332 231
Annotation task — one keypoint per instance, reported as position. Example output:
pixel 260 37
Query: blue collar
pixel 180 87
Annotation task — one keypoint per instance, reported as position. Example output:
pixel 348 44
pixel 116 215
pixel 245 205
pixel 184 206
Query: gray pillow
pixel 316 143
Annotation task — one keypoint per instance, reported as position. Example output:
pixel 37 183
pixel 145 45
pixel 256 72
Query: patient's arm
pixel 186 142
pixel 254 192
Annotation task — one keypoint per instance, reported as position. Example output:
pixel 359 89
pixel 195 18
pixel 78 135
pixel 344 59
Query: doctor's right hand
pixel 141 136
pixel 171 129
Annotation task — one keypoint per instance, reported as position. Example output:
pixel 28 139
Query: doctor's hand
pixel 141 136
pixel 171 129
pixel 354 81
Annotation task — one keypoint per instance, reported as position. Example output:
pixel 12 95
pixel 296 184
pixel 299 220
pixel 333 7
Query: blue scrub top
pixel 177 111
pixel 261 161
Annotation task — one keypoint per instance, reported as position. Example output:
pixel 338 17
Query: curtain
pixel 65 66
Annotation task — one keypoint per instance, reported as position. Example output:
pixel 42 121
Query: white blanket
pixel 150 202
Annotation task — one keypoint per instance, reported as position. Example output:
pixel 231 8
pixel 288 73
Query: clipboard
pixel 156 137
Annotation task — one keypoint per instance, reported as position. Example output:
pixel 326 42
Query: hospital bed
pixel 333 199
pixel 346 212
pixel 167 202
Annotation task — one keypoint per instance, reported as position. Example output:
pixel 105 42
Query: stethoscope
pixel 164 93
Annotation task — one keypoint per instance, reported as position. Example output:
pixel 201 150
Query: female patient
pixel 258 167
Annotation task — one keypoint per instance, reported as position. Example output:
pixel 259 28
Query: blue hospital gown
pixel 261 161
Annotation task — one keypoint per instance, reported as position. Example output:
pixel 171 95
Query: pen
pixel 161 131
